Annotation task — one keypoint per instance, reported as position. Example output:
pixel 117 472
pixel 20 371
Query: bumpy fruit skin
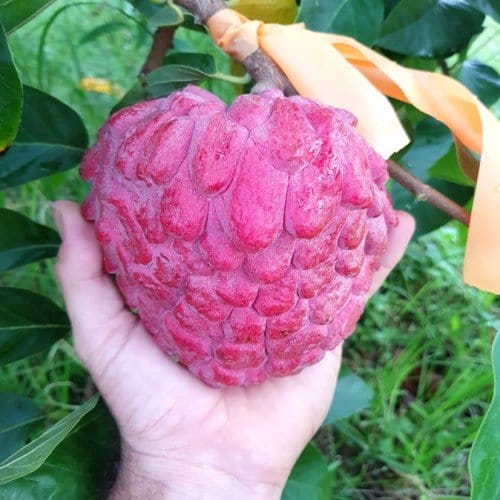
pixel 245 237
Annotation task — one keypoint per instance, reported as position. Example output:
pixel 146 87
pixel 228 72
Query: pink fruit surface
pixel 245 236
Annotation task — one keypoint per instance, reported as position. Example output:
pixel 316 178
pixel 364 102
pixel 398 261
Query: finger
pixel 91 298
pixel 399 238
pixel 317 383
pixel 107 337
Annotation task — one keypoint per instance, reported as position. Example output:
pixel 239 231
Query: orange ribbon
pixel 342 72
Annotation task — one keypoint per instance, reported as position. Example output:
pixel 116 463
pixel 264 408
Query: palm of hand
pixel 174 414
pixel 162 411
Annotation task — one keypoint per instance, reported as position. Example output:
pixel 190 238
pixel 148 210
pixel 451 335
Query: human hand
pixel 181 438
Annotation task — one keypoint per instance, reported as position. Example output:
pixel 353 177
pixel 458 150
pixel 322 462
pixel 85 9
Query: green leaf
pixel 15 13
pixel 51 138
pixel 429 218
pixel 431 141
pixel 23 241
pixel 79 468
pixel 430 28
pixel 202 62
pixel 310 478
pixel 423 63
pixel 30 457
pixel 103 29
pixel 432 159
pixel 158 15
pixel 190 24
pixel 360 19
pixel 352 395
pixel 19 415
pixel 180 69
pixel 433 151
pixel 484 461
pixel 489 7
pixel 29 323
pixel 161 82
pixel 448 169
pixel 481 79
pixel 11 94
pixel 389 5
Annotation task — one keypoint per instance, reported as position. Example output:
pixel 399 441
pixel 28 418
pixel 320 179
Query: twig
pixel 444 66
pixel 426 193
pixel 202 10
pixel 267 75
pixel 162 41
pixel 258 65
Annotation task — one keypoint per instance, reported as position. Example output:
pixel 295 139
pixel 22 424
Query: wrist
pixel 198 478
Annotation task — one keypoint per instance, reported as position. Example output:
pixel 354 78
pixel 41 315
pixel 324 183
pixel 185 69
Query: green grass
pixel 424 346
pixel 423 343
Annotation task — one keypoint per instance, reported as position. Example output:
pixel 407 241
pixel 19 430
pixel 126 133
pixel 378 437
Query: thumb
pixel 95 307
pixel 399 238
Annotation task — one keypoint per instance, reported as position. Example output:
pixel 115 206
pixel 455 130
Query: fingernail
pixel 58 219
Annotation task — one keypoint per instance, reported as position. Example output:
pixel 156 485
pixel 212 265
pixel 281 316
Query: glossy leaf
pixel 481 79
pixel 30 457
pixel 352 395
pixel 102 30
pixel 11 94
pixel 51 138
pixel 190 24
pixel 29 323
pixel 15 13
pixel 23 241
pixel 428 218
pixel 433 160
pixel 484 463
pixel 163 81
pixel 430 28
pixel 489 7
pixel 433 151
pixel 48 25
pixel 389 5
pixel 423 63
pixel 19 415
pixel 310 478
pixel 268 11
pixel 158 15
pixel 81 467
pixel 202 62
pixel 431 141
pixel 447 169
pixel 360 19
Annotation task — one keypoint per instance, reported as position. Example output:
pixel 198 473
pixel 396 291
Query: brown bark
pixel 162 41
pixel 426 193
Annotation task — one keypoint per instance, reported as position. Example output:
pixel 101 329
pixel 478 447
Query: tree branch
pixel 267 75
pixel 444 66
pixel 202 10
pixel 162 41
pixel 426 193
pixel 258 65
